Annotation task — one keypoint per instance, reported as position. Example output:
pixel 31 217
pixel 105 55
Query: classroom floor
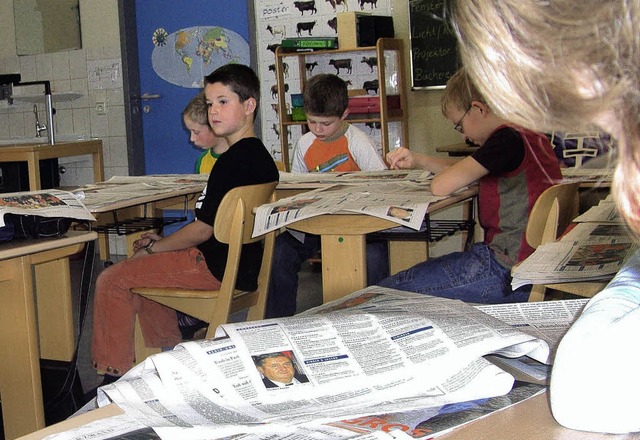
pixel 309 295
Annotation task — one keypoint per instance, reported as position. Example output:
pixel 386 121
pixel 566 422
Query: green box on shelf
pixel 297 114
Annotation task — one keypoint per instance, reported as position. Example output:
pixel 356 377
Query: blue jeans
pixel 471 276
pixel 288 256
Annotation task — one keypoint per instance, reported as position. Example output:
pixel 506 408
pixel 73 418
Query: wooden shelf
pixel 386 115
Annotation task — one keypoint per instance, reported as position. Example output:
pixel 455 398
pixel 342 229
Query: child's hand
pixel 144 240
pixel 400 158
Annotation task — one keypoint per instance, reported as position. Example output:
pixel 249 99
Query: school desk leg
pixel 344 265
pixel 22 407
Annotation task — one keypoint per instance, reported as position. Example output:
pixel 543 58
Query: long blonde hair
pixel 561 65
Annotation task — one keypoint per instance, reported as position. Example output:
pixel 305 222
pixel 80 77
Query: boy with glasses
pixel 512 167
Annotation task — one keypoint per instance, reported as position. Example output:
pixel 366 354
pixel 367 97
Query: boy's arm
pixel 364 151
pixel 188 236
pixel 457 176
pixel 298 165
pixel 404 159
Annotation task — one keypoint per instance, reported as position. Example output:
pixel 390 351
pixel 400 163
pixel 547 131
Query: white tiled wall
pixel 68 72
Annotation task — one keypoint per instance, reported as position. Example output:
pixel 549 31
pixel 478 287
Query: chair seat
pixel 233 225
pixel 200 302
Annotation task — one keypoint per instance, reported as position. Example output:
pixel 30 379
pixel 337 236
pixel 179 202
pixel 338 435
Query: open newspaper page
pixel 376 351
pixel 159 179
pixel 45 203
pixel 589 252
pixel 402 202
pixel 603 176
pixel 122 188
pixel 377 354
pixel 316 180
pixel 604 212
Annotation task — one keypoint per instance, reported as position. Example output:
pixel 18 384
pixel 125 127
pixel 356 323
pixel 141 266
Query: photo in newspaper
pixel 45 203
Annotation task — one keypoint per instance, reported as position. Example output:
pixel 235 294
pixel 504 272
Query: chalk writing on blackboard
pixel 434 53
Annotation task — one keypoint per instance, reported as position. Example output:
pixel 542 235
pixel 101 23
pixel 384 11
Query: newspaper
pixel 376 351
pixel 403 202
pixel 436 421
pixel 45 203
pixel 124 188
pixel 604 212
pixel 315 180
pixel 603 176
pixel 589 252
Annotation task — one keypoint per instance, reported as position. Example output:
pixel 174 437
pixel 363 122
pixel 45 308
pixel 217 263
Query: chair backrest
pixel 234 225
pixel 251 196
pixel 552 212
pixel 280 165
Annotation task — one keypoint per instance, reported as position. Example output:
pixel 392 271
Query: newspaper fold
pixel 401 202
pixel 376 351
pixel 45 203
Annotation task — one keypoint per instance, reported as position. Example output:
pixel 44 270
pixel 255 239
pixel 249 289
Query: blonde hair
pixel 459 93
pixel 561 65
pixel 197 110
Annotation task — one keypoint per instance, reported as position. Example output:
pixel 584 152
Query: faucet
pixel 39 127
pixel 48 101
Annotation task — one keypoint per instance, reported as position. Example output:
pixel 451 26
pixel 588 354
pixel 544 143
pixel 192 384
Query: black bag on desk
pixel 6 232
pixel 35 226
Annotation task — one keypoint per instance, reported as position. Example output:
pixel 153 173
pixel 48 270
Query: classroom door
pixel 178 43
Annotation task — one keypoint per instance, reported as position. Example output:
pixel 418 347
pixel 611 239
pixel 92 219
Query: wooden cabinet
pixel 387 56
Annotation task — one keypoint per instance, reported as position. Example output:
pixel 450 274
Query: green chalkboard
pixel 434 53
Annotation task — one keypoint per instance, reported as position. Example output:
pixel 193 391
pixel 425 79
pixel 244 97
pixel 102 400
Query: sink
pixel 41 140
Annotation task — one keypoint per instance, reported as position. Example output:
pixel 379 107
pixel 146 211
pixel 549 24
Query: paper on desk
pixel 296 180
pixel 402 202
pixel 123 188
pixel 604 212
pixel 376 351
pixel 46 203
pixel 590 252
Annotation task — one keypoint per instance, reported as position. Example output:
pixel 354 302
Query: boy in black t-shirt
pixel 191 257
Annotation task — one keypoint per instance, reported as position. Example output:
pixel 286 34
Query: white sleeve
pixel 595 380
pixel 363 150
pixel 304 142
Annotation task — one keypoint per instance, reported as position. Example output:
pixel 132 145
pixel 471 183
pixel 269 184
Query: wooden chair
pixel 551 214
pixel 233 225
pixel 280 165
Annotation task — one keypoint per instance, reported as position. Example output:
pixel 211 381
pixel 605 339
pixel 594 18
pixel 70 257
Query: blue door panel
pixel 166 141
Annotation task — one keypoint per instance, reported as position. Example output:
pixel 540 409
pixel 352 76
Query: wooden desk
pixel 135 213
pixel 30 269
pixel 343 245
pixel 33 154
pixel 530 419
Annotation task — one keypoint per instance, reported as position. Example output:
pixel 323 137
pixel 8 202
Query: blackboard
pixel 434 53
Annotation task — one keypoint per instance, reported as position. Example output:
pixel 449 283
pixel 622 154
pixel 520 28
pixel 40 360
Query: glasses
pixel 458 126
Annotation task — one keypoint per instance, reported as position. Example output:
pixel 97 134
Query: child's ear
pixel 250 105
pixel 345 114
pixel 484 108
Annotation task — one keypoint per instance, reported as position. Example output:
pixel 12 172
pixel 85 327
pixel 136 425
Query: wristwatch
pixel 148 249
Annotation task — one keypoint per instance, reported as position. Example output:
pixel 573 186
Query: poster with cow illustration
pixel 278 19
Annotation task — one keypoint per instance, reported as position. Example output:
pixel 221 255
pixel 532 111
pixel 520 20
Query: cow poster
pixel 276 20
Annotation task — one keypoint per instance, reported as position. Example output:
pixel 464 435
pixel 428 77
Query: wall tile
pixel 28 68
pixel 77 64
pixel 44 67
pixel 61 66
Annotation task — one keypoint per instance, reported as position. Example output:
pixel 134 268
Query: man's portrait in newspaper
pixel 279 369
